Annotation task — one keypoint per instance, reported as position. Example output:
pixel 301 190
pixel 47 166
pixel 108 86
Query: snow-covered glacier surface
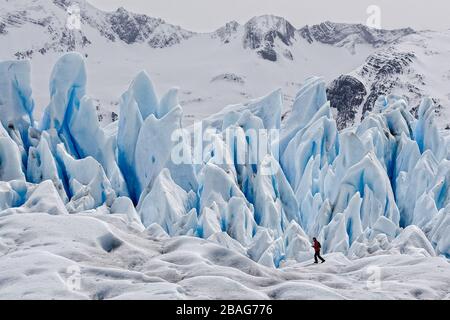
pixel 144 208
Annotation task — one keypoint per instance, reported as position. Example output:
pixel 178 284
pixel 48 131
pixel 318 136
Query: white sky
pixel 208 15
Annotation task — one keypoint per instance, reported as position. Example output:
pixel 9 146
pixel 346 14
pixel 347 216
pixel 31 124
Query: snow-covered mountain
pixel 145 205
pixel 232 63
pixel 49 18
pixel 260 33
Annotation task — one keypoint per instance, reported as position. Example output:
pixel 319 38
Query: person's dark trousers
pixel 317 255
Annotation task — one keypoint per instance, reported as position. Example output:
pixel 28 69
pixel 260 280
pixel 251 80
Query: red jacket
pixel 316 246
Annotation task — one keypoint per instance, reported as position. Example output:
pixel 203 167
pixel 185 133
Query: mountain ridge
pixel 259 32
pixel 242 59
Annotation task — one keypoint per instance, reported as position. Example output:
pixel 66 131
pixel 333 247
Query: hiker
pixel 316 245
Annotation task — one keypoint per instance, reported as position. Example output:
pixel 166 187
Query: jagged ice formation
pixel 383 185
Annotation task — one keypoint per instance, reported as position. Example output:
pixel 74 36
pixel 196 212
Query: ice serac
pixel 154 146
pixel 412 184
pixel 88 186
pixel 143 92
pixel 334 236
pixel 353 218
pixel 274 201
pixel 130 122
pixel 296 243
pixel 380 187
pixel 167 204
pixel 310 98
pixel 273 255
pixel 124 205
pixel 91 140
pixel 267 108
pixel 143 122
pixel 43 166
pixel 306 160
pixel 257 189
pixel 260 178
pixel 413 241
pixel 168 102
pixel 371 181
pixel 67 88
pixel 440 232
pixel 398 118
pixel 11 166
pixel 12 194
pixel 426 132
pixel 44 198
pixel 223 206
pixel 16 103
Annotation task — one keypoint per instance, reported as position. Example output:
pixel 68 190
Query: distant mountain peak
pixel 261 33
pixel 227 32
pixel 50 17
pixel 270 36
pixel 336 33
pixel 266 28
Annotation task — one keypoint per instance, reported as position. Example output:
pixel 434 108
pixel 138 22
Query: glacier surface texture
pixel 381 187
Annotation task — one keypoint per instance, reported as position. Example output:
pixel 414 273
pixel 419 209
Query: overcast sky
pixel 208 15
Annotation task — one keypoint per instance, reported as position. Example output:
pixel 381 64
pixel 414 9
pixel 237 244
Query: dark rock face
pixel 387 71
pixel 268 53
pixel 288 54
pixel 226 33
pixel 132 28
pixel 285 37
pixel 346 94
pixel 387 63
pixel 333 33
pixel 167 36
pixel 261 33
pixel 2 28
pixel 305 33
pixel 383 69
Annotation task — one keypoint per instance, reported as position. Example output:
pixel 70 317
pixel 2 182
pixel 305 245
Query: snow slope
pixel 40 255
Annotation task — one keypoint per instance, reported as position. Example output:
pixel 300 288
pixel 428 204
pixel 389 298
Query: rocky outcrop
pixel 227 32
pixel 387 71
pixel 131 28
pixel 346 94
pixel 383 70
pixel 262 32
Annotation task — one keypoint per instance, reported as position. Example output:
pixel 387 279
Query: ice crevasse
pixel 381 186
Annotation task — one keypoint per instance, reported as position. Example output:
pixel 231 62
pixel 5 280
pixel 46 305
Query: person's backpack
pixel 318 243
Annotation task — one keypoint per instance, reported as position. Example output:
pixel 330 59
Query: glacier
pixel 382 186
